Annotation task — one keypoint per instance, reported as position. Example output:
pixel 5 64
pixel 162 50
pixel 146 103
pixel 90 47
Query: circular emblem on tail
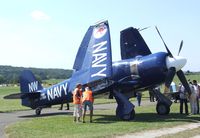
pixel 99 31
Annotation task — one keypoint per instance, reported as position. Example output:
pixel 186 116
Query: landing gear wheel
pixel 38 111
pixel 162 109
pixel 127 117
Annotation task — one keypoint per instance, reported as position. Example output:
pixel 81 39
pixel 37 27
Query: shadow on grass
pixel 47 114
pixel 105 119
pixel 149 117
pixel 172 117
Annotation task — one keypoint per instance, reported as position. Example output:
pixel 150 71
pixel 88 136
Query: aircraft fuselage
pixel 139 73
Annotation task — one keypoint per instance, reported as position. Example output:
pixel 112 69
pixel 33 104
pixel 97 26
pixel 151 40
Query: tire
pixel 129 116
pixel 38 111
pixel 162 109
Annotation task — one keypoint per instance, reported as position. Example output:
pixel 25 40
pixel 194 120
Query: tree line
pixel 10 75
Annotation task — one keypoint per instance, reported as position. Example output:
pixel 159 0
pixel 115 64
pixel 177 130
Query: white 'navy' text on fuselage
pixel 98 58
pixel 56 91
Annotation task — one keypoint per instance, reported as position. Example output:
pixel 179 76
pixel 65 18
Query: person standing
pixel 183 99
pixel 151 95
pixel 87 101
pixel 193 99
pixel 139 97
pixel 61 106
pixel 77 96
pixel 197 91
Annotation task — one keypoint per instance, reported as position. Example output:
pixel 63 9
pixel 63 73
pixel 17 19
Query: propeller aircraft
pixel 138 70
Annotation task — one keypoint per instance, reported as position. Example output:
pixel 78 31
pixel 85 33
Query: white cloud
pixel 39 15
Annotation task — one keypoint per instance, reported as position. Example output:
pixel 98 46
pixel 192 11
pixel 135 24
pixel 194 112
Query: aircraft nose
pixel 177 62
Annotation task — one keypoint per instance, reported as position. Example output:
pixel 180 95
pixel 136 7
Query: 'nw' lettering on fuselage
pixel 56 91
pixel 99 56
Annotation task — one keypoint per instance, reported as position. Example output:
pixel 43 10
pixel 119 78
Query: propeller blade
pixel 168 51
pixel 183 80
pixel 170 75
pixel 181 45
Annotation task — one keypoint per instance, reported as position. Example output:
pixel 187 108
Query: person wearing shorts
pixel 87 101
pixel 77 96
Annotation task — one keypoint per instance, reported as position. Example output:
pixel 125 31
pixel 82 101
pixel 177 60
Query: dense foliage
pixel 9 74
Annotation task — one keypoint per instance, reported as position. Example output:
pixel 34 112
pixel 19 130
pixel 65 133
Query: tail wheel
pixel 162 109
pixel 38 111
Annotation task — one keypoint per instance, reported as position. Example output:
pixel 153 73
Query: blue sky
pixel 47 34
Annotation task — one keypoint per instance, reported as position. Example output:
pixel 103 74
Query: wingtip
pixel 103 21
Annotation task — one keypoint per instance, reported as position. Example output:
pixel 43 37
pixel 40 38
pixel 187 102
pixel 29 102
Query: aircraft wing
pixel 132 44
pixel 93 62
pixel 30 95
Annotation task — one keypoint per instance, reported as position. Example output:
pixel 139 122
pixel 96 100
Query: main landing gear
pixel 163 105
pixel 38 111
pixel 125 109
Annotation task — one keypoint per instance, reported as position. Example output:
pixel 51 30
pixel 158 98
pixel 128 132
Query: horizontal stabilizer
pixel 13 96
pixel 32 95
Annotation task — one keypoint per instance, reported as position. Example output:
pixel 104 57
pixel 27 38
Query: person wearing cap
pixel 87 101
pixel 77 96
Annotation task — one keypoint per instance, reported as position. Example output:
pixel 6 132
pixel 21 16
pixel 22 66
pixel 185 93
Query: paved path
pixel 162 132
pixel 9 118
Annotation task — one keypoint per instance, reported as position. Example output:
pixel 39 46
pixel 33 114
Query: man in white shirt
pixel 197 91
pixel 193 99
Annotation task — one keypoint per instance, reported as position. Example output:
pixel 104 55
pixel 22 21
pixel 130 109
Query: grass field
pixel 105 124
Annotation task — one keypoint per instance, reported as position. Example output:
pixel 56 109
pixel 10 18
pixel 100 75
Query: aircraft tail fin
pixel 29 87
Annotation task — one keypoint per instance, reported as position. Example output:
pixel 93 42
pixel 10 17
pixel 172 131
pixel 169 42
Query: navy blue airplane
pixel 139 70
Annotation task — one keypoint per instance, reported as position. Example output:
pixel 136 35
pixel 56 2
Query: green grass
pixel 105 124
